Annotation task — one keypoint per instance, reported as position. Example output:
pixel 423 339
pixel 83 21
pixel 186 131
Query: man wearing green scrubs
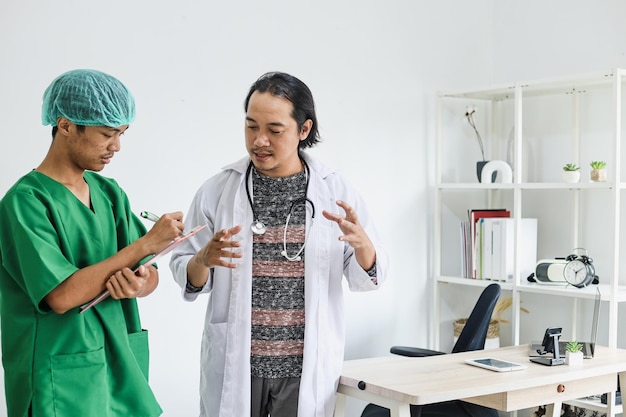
pixel 66 235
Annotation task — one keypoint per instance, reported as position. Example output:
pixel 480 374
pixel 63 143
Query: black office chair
pixel 472 337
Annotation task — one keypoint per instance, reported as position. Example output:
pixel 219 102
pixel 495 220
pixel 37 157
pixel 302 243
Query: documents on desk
pixel 396 381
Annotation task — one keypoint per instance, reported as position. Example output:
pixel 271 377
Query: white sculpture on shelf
pixel 501 167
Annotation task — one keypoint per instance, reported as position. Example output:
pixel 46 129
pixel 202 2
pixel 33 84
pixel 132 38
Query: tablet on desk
pixel 494 364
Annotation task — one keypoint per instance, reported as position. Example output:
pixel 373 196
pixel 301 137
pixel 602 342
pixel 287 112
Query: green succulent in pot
pixel 571 167
pixel 573 347
pixel 598 171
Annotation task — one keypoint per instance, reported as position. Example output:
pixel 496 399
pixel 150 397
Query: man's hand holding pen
pixel 127 283
pixel 166 228
pixel 143 280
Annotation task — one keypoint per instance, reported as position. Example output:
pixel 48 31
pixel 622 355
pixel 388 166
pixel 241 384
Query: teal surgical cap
pixel 89 98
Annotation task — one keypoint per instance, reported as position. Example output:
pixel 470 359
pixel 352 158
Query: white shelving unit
pixel 537 127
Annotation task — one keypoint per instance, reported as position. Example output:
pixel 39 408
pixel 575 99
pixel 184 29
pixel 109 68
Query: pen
pixel 149 216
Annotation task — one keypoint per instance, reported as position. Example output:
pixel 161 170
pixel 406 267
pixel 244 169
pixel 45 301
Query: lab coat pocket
pixel 80 385
pixel 139 346
pixel 215 346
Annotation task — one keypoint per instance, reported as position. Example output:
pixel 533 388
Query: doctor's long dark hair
pixel 290 88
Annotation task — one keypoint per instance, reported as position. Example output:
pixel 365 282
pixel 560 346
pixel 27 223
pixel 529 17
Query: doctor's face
pixel 272 135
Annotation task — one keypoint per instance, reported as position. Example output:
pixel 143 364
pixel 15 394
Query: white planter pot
pixel 574 358
pixel 570 176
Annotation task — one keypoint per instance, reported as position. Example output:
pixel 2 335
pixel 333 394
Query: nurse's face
pixel 272 135
pixel 92 147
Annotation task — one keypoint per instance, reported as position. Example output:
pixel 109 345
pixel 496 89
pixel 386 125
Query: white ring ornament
pixel 506 174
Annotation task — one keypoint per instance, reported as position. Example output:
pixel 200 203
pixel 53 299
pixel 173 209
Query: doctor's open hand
pixel 128 284
pixel 354 234
pixel 219 250
pixel 167 228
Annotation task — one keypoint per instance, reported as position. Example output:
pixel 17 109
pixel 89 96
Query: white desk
pixel 396 381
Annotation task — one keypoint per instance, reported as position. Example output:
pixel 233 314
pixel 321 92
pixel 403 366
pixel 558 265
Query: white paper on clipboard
pixel 103 295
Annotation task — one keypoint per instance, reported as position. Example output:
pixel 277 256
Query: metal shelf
pixel 595 404
pixel 504 105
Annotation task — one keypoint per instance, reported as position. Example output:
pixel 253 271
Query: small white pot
pixel 570 176
pixel 574 358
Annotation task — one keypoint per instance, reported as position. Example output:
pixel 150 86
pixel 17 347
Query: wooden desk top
pixel 447 377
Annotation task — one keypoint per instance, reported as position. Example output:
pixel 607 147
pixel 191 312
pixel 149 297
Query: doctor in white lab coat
pixel 219 262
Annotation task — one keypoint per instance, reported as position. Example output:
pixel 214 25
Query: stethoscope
pixel 258 227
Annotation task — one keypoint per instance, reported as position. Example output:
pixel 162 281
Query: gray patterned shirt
pixel 277 283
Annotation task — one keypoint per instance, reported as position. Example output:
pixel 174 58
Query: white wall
pixel 539 39
pixel 373 68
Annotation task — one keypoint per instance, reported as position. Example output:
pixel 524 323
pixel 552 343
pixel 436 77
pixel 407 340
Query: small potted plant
pixel 598 171
pixel 571 173
pixel 573 353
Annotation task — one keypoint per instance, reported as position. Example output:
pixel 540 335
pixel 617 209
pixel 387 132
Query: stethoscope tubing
pixel 259 228
pixel 255 221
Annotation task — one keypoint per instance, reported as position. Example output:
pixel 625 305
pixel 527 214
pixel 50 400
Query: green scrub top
pixel 68 365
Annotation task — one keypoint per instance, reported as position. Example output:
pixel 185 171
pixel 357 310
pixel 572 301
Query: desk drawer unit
pixel 547 394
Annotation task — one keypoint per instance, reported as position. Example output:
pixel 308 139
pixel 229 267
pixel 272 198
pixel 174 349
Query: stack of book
pixel 489 245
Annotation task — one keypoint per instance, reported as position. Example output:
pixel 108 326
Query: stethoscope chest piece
pixel 257 227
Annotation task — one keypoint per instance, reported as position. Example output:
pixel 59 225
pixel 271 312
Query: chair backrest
pixel 474 333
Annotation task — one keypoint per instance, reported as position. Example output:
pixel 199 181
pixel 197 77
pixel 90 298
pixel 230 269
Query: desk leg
pixel 610 404
pixel 622 384
pixel 401 410
pixel 554 410
pixel 340 405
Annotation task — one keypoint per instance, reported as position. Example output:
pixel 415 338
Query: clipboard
pixel 167 249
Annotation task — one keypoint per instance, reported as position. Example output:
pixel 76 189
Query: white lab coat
pixel 221 203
